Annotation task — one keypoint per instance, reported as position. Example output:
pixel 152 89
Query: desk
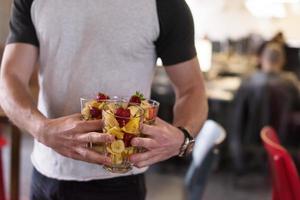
pixel 222 89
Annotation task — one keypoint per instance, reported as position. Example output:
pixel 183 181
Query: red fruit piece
pixel 96 113
pixel 136 98
pixel 102 97
pixel 122 116
pixel 151 113
pixel 127 139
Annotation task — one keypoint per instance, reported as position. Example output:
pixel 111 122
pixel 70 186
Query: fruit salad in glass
pixel 150 107
pixel 123 121
pixel 92 108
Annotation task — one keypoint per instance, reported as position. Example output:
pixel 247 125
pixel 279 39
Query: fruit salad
pixel 122 120
pixel 92 109
pixel 150 107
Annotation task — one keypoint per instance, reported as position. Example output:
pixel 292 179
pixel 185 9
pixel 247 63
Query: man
pixel 88 46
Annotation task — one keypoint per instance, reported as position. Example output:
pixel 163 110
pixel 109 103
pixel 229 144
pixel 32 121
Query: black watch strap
pixel 186 133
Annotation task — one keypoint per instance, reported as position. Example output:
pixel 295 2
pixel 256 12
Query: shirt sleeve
pixel 176 41
pixel 21 26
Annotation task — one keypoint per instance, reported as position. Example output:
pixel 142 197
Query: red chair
pixel 2 188
pixel 285 178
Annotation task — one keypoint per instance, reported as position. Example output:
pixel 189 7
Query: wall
pixel 4 18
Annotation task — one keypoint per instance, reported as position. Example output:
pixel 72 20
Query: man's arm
pixel 67 135
pixel 191 108
pixel 15 96
pixel 164 140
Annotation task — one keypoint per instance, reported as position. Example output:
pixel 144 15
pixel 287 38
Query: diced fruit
pixel 96 113
pixel 136 98
pixel 117 159
pixel 117 132
pixel 145 104
pixel 132 126
pixel 150 113
pixel 134 110
pixel 130 150
pixel 127 139
pixel 110 120
pixel 117 146
pixel 86 113
pixel 112 107
pixel 122 116
pixel 99 148
pixel 101 97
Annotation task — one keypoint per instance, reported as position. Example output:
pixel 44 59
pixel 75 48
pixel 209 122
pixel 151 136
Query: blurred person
pixel 84 47
pixel 291 53
pixel 267 97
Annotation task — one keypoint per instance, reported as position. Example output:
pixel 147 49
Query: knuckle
pixel 140 165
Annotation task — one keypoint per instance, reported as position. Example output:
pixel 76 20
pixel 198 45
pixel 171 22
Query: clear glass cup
pixel 92 109
pixel 124 129
pixel 150 110
pixel 150 107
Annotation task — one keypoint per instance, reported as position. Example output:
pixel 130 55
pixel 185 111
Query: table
pixel 223 88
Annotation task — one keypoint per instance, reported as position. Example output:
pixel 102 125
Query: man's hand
pixel 163 142
pixel 70 136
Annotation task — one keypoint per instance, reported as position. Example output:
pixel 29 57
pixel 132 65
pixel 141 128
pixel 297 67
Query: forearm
pixel 18 104
pixel 190 110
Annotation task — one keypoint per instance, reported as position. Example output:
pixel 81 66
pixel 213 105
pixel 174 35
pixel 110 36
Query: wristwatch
pixel 188 144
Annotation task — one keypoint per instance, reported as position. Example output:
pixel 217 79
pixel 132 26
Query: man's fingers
pixel 90 126
pixel 140 157
pixel 91 156
pixel 95 137
pixel 147 143
pixel 148 162
pixel 150 130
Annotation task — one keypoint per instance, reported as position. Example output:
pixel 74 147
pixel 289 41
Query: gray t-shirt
pixel 97 45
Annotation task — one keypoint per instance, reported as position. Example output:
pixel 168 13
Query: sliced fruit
pixel 101 97
pixel 150 113
pixel 99 148
pixel 117 146
pixel 129 151
pixel 133 126
pixel 127 139
pixel 117 132
pixel 110 120
pixel 122 116
pixel 136 98
pixel 116 159
pixel 134 110
pixel 145 104
pixel 101 105
pixel 96 113
pixel 109 150
pixel 92 103
pixel 86 113
pixel 112 107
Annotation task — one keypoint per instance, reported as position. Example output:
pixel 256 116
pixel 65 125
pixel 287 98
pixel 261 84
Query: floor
pixel 165 181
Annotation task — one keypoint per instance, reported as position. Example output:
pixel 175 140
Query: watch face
pixel 190 147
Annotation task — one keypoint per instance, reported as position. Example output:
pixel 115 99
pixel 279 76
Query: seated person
pixel 267 97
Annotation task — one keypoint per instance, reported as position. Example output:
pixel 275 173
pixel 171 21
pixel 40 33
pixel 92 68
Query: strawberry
pixel 136 98
pixel 96 113
pixel 101 97
pixel 122 116
pixel 127 139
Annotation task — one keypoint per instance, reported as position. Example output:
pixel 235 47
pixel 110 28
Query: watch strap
pixel 187 139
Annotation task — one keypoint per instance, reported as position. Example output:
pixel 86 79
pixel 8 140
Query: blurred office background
pixel 249 52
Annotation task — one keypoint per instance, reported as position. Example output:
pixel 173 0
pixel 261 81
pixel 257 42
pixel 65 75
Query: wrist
pixel 38 128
